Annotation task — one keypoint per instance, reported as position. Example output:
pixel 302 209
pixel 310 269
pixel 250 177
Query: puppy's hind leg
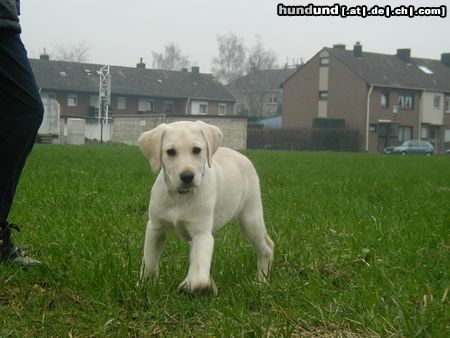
pixel 252 224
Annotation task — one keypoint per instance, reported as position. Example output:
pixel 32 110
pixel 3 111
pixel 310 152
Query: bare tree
pixel 171 59
pixel 72 53
pixel 257 93
pixel 259 58
pixel 230 64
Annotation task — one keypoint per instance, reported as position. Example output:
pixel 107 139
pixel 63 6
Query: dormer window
pixel 425 69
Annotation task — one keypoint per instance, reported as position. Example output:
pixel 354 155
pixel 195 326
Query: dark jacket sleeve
pixel 9 15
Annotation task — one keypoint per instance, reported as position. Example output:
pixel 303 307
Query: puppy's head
pixel 182 149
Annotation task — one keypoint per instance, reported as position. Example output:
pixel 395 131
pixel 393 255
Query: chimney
pixel 140 65
pixel 404 54
pixel 44 56
pixel 357 50
pixel 195 71
pixel 339 46
pixel 184 70
pixel 445 59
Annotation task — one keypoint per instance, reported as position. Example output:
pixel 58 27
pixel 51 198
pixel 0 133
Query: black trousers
pixel 21 113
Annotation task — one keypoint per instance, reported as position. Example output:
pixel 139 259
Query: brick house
pixel 133 90
pixel 258 94
pixel 388 98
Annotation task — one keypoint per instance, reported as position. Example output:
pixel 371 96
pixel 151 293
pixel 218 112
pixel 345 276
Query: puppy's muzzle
pixel 187 177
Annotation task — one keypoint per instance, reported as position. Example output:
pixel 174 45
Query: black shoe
pixel 11 253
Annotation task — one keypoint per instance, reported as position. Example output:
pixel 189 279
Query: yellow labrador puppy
pixel 200 188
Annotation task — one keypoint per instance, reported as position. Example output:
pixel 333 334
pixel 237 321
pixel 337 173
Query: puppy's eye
pixel 171 152
pixel 196 150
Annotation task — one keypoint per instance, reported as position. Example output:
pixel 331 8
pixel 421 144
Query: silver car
pixel 414 147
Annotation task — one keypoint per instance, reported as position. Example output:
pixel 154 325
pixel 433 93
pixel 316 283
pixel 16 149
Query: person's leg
pixel 21 113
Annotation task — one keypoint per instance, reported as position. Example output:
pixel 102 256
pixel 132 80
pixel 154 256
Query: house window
pixel 324 61
pixel 241 109
pixel 273 99
pixel 93 105
pixel 404 133
pixel 447 135
pixel 384 100
pixel 406 101
pixel 437 102
pixel 203 108
pixel 199 108
pixel 222 108
pixel 121 103
pixel 433 134
pixel 447 104
pixel 168 107
pixel 72 100
pixel 323 95
pixel 145 106
pixel 93 101
pixel 424 133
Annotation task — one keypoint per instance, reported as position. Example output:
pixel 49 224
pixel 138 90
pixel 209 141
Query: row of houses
pixel 134 91
pixel 387 98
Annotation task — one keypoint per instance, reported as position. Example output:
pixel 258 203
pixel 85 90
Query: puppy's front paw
pixel 199 289
pixel 148 275
pixel 262 277
pixel 150 279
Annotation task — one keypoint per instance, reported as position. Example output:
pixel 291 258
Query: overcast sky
pixel 120 32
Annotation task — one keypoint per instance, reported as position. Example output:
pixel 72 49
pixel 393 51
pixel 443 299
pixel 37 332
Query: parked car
pixel 388 150
pixel 412 147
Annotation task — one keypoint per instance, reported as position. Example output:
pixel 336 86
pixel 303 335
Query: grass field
pixel 362 249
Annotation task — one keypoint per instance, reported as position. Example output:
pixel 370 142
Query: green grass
pixel 362 249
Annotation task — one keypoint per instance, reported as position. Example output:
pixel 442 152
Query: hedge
pixel 314 139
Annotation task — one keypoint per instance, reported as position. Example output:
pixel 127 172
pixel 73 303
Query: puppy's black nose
pixel 187 176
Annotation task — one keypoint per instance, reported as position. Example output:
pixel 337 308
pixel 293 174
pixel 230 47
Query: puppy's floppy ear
pixel 213 137
pixel 150 143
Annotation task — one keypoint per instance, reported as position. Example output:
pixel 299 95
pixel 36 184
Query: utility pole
pixel 104 98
